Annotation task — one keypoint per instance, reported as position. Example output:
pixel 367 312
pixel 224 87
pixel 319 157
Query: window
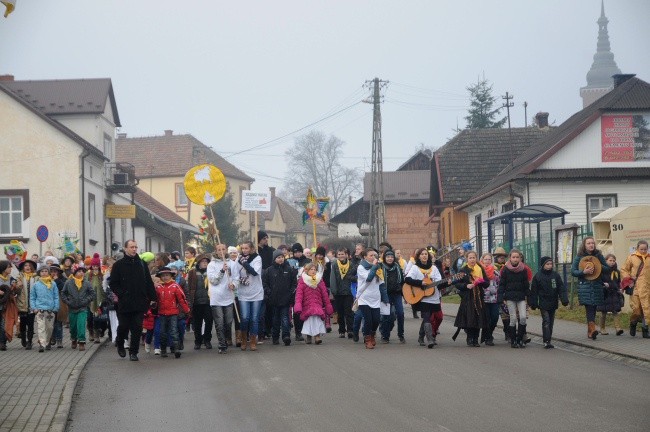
pixel 92 215
pixel 596 204
pixel 181 198
pixel 108 146
pixel 11 215
pixel 509 206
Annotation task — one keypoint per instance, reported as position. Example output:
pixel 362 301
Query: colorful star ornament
pixel 69 246
pixel 314 207
pixel 15 252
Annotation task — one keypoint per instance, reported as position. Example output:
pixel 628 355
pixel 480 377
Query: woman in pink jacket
pixel 312 303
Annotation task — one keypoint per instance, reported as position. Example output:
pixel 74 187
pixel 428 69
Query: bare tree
pixel 314 159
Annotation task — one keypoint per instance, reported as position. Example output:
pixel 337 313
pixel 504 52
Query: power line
pixel 295 131
pixel 428 90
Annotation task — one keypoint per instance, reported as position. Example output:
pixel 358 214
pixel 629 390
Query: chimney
pixel 272 189
pixel 542 120
pixel 621 78
pixel 121 135
pixel 169 132
pixel 6 77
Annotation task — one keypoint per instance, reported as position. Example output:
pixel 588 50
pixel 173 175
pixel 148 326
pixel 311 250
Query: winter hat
pixel 297 247
pixel 87 261
pixel 543 260
pixel 320 250
pixel 467 246
pixel 261 234
pixel 277 253
pixel 165 270
pixel 389 252
pixel 96 261
pixel 76 268
pixel 147 257
pixel 200 258
pixel 232 249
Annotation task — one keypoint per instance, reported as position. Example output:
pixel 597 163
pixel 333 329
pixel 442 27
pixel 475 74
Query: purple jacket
pixel 312 301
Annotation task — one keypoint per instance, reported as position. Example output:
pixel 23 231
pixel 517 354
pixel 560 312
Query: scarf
pixel 28 276
pixel 47 281
pixel 425 269
pixel 520 267
pixel 386 270
pixel 77 281
pixel 311 281
pixel 343 268
pixel 489 270
pixel 402 263
pixel 476 272
pixel 3 278
pixel 379 273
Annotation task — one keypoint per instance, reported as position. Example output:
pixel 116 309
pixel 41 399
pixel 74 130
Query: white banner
pixel 255 201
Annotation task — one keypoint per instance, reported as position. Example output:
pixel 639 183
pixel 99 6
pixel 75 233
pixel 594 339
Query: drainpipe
pixel 82 160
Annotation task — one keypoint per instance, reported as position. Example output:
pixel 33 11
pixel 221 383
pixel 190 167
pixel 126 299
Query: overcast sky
pixel 237 74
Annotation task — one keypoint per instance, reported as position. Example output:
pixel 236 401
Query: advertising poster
pixel 625 138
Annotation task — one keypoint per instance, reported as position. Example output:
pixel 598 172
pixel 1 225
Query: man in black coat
pixel 132 284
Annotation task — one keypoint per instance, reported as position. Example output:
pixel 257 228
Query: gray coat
pixel 77 299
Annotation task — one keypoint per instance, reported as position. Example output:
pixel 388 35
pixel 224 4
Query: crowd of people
pixel 149 299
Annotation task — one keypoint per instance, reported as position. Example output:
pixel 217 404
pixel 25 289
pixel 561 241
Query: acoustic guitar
pixel 414 294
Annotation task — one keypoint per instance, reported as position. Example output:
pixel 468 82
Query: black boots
pixel 506 328
pixel 521 335
pixel 645 332
pixel 511 335
pixel 633 328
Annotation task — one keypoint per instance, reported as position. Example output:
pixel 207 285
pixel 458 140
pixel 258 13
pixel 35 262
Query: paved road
pixel 342 386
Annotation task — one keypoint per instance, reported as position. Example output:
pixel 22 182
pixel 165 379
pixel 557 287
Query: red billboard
pixel 625 138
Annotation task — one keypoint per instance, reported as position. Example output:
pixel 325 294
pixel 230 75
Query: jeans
pixel 280 322
pixel 548 317
pixel 58 330
pixel 128 322
pixel 168 324
pixel 155 333
pixel 387 322
pixel 222 317
pixel 78 321
pixel 590 310
pixel 27 325
pixel 250 316
pixel 202 314
pixel 358 320
pixel 519 306
pixel 344 311
pixel 3 335
pixel 370 318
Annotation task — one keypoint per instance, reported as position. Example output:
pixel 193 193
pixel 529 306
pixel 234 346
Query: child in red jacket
pixel 170 299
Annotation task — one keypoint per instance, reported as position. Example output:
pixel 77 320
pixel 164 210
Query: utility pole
pixel 377 221
pixel 526 114
pixel 507 105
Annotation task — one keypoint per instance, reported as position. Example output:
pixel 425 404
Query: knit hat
pixel 77 267
pixel 277 253
pixel 261 234
pixel 96 261
pixel 164 270
pixel 389 252
pixel 87 261
pixel 543 260
pixel 297 247
pixel 232 249
pixel 320 250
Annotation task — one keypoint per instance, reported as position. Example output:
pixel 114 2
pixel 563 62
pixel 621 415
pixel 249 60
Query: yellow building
pixel 161 163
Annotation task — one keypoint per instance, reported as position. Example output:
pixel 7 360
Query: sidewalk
pixel 36 388
pixel 634 348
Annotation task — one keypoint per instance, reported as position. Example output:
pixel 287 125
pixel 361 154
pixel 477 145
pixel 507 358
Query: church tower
pixel 599 77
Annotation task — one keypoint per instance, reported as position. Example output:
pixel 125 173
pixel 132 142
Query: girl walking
pixel 613 298
pixel 471 312
pixel 312 303
pixel 371 291
pixel 513 289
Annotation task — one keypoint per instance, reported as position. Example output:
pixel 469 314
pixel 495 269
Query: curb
pixel 586 349
pixel 60 420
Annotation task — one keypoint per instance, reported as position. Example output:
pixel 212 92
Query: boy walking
pixel 170 298
pixel 44 300
pixel 77 294
pixel 547 287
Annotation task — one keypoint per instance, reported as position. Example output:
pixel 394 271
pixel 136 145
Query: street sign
pixel 114 211
pixel 255 201
pixel 42 233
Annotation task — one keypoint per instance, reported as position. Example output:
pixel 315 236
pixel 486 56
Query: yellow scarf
pixel 402 263
pixel 476 272
pixel 426 273
pixel 380 273
pixel 47 281
pixel 78 281
pixel 28 275
pixel 343 268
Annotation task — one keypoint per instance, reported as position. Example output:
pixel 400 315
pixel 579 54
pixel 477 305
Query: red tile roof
pixel 180 152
